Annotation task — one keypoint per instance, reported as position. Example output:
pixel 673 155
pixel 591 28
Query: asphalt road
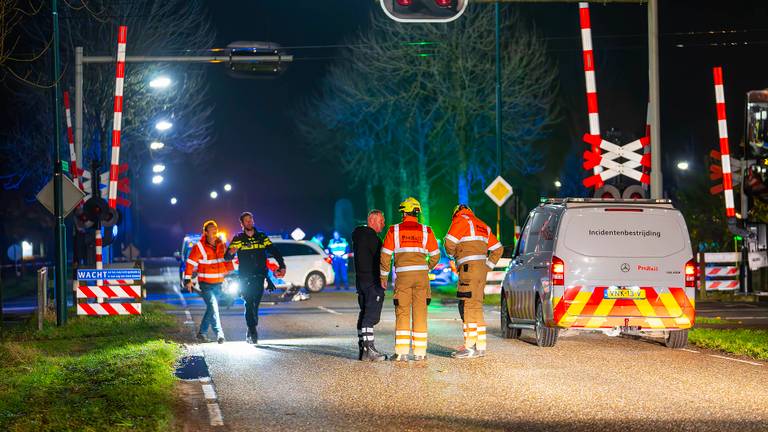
pixel 304 375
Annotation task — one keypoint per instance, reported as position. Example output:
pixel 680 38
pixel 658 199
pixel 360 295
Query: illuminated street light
pixel 683 165
pixel 160 82
pixel 163 125
pixel 558 184
pixel 174 201
pixel 227 187
pixel 157 179
pixel 158 168
pixel 214 194
pixel 156 145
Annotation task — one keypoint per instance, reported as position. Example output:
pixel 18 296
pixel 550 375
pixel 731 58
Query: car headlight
pixel 233 287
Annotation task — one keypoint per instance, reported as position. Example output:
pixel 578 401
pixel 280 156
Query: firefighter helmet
pixel 410 205
pixel 460 207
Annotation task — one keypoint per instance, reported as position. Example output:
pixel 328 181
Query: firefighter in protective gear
pixel 339 250
pixel 476 250
pixel 207 257
pixel 413 248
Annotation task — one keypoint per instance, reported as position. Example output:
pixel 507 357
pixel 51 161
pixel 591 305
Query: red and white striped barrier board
pixel 109 291
pixel 722 285
pixel 96 309
pixel 722 271
pixel 589 75
pixel 722 128
pixel 71 140
pixel 114 168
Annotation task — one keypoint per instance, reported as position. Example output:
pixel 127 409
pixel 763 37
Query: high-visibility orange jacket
pixel 470 239
pixel 209 261
pixel 413 246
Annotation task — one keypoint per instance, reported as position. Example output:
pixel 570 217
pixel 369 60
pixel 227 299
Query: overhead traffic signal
pixel 424 10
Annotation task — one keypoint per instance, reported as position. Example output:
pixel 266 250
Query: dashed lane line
pixel 736 360
pixel 331 311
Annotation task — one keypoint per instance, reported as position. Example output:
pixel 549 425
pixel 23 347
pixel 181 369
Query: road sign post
pixel 499 192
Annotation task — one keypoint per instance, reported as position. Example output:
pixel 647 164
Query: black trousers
pixel 370 297
pixel 253 290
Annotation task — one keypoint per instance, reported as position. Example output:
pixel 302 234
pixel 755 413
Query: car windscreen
pixel 606 232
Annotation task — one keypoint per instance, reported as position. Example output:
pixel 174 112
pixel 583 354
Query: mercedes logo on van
pixel 625 267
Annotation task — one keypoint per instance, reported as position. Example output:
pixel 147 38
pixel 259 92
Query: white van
pixel 621 266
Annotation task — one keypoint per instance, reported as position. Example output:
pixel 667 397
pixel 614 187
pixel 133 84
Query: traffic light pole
pixel 498 110
pixel 60 273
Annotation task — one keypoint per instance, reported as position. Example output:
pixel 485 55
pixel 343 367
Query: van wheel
pixel 506 332
pixel 315 282
pixel 676 338
pixel 545 336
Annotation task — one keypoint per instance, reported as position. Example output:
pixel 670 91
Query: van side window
pixel 547 233
pixel 523 237
pixel 534 232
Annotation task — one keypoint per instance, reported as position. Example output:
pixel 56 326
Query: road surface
pixel 304 375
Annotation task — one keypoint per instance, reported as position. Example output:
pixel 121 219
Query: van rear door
pixel 625 261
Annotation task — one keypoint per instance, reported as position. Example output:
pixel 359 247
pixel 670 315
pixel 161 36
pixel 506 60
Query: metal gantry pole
pixel 657 185
pixel 79 105
pixel 60 272
pixel 499 168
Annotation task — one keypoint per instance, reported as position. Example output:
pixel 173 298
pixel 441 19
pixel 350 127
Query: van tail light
pixel 690 274
pixel 443 3
pixel 558 271
pixel 404 2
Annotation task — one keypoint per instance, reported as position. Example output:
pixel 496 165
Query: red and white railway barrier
pixel 95 309
pixel 109 291
pixel 114 169
pixel 71 140
pixel 589 75
pixel 722 128
pixel 722 285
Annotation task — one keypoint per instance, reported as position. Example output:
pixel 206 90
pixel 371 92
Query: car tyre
pixel 315 282
pixel 676 339
pixel 506 332
pixel 545 336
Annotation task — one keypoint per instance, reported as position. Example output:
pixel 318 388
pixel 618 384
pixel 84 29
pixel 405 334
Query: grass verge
pixel 747 342
pixel 111 373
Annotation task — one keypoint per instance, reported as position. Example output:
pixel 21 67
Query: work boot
pixel 481 353
pixel 220 339
pixel 419 358
pixel 399 357
pixel 252 337
pixel 370 353
pixel 464 352
pixel 202 338
pixel 361 349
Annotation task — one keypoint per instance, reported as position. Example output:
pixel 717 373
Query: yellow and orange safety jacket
pixel 470 239
pixel 209 261
pixel 412 245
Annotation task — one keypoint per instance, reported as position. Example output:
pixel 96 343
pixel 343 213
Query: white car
pixel 307 265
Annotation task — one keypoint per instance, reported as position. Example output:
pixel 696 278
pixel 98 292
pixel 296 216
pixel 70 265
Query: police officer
pixel 366 248
pixel 339 249
pixel 251 247
pixel 413 248
pixel 476 250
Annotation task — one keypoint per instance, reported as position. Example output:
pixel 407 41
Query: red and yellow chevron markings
pixel 580 307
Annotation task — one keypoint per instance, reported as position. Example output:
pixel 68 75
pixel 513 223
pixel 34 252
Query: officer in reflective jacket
pixel 339 249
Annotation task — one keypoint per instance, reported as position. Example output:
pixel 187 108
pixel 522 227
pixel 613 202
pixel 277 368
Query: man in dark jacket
pixel 251 247
pixel 366 247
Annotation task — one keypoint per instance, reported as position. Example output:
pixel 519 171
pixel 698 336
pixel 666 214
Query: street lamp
pixel 156 145
pixel 157 179
pixel 214 194
pixel 174 201
pixel 558 184
pixel 227 187
pixel 682 165
pixel 160 82
pixel 163 125
pixel 158 168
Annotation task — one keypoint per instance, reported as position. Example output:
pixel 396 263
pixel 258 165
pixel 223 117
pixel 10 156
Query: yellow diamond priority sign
pixel 499 191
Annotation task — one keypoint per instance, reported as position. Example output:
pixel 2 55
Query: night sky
pixel 259 151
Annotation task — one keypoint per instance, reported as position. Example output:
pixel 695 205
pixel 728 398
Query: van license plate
pixel 624 293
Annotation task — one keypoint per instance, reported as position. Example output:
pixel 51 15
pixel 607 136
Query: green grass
pixel 747 342
pixel 111 373
pixel 715 320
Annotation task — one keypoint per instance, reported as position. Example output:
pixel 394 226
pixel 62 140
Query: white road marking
pixel 188 314
pixel 214 413
pixel 737 360
pixel 189 322
pixel 209 392
pixel 205 380
pixel 689 350
pixel 323 308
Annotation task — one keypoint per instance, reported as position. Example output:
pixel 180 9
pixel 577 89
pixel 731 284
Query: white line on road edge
pixel 738 360
pixel 323 308
pixel 214 413
pixel 209 392
pixel 188 314
pixel 689 350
